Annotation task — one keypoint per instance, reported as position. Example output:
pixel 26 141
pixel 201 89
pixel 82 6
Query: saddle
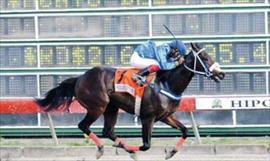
pixel 123 82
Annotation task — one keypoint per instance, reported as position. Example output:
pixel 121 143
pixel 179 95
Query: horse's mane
pixel 164 75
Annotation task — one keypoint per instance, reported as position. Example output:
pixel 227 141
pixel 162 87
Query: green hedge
pixel 135 132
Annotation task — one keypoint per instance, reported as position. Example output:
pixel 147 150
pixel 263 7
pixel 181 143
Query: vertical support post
pixel 234 118
pixel 52 129
pixel 150 25
pixel 195 128
pixel 136 120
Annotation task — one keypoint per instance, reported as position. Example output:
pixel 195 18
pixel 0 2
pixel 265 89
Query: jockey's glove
pixel 179 61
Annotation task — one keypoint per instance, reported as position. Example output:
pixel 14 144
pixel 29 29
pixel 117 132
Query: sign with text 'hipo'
pixel 232 102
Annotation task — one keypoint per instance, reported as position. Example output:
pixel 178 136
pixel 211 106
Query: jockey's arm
pixel 161 55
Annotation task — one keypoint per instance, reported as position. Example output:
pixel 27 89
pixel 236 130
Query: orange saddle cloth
pixel 124 83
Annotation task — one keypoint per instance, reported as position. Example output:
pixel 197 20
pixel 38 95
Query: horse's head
pixel 199 62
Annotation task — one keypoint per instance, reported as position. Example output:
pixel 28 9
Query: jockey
pixel 150 58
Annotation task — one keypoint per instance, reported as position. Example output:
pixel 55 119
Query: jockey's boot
pixel 140 77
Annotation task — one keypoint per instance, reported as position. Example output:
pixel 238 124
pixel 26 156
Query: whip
pixel 169 31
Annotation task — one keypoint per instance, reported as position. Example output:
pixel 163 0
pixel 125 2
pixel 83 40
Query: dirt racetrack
pixel 72 149
pixel 188 153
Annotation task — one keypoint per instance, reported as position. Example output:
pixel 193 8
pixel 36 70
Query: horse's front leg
pixel 110 118
pixel 147 126
pixel 173 122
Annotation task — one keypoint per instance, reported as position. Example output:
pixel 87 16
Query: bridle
pixel 207 70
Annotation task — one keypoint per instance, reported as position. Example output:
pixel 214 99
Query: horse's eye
pixel 204 57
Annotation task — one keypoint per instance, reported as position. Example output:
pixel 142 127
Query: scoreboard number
pixel 78 56
pixel 237 53
pixel 226 53
pixel 259 53
pixel 95 55
pixel 30 56
pixel 125 54
pixel 61 3
pixel 62 55
pixel 93 3
pixel 211 50
pixel 46 56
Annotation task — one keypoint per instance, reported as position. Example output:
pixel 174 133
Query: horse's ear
pixel 193 46
pixel 198 46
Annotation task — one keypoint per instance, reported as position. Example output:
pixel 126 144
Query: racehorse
pixel 94 90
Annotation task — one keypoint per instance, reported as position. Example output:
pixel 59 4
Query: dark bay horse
pixel 94 90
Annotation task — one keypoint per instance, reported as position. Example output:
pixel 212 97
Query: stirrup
pixel 140 80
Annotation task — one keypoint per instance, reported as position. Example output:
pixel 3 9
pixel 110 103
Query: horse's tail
pixel 60 96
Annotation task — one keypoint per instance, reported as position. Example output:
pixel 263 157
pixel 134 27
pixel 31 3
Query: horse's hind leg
pixel 84 125
pixel 173 122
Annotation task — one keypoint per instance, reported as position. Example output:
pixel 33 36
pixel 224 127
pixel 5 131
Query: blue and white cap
pixel 177 44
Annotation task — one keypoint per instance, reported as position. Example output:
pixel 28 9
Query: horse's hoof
pixel 100 152
pixel 134 156
pixel 86 137
pixel 170 153
pixel 116 151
